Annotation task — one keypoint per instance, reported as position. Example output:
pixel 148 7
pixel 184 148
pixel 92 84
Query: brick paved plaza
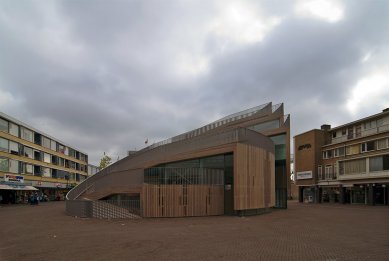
pixel 303 232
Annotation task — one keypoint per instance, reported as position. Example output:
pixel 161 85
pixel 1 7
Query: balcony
pixel 364 133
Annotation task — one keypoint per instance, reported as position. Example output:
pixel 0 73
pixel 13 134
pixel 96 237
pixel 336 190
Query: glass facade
pixel 216 170
pixel 268 125
pixel 281 174
pixel 213 170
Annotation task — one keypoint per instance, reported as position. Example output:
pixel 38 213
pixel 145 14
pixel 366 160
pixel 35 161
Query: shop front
pixel 330 194
pixel 52 191
pixel 13 189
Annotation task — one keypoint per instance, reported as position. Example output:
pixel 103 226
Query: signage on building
pixel 304 175
pixel 13 178
pixel 305 146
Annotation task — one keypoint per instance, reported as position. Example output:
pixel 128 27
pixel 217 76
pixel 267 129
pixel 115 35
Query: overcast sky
pixel 105 76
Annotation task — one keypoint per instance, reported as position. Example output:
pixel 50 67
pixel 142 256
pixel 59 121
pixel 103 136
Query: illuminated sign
pixel 13 178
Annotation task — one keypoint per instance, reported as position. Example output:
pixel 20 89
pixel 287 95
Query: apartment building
pixel 32 161
pixel 345 164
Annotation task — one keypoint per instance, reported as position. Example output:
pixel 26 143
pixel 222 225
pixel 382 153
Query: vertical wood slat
pixel 167 200
pixel 253 174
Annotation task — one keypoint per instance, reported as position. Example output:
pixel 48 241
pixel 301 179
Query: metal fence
pixel 104 208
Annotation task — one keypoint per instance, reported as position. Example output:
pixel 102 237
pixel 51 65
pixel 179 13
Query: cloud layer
pixel 104 76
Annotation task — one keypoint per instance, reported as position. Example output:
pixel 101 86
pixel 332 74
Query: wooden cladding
pixel 182 200
pixel 254 186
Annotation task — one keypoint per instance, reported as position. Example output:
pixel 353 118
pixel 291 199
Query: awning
pixel 17 187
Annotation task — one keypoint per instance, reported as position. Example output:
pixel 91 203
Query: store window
pixel 4 164
pixel 3 125
pixel 4 145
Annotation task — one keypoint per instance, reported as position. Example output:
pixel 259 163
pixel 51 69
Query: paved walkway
pixel 303 232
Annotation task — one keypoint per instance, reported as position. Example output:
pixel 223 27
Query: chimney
pixel 325 127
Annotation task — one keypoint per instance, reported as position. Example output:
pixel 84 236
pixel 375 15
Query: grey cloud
pixel 115 83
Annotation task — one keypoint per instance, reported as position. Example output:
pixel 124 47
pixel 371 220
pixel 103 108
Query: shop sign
pixel 13 178
pixel 304 175
pixel 305 146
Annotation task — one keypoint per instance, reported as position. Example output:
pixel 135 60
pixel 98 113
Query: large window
pixel 351 150
pixel 280 146
pixel 370 125
pixel 72 153
pixel 264 126
pixel 13 166
pixel 46 157
pixel 4 165
pixel 357 166
pixel 61 148
pixel 46 142
pixel 46 172
pixel 319 172
pixel 28 152
pixel 13 129
pixel 53 145
pixel 29 169
pixel 382 144
pixel 4 145
pixel 350 133
pixel 379 163
pixel 3 125
pixel 368 146
pixel 328 171
pixel 27 134
pixel 14 148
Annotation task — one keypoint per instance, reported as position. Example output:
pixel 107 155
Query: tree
pixel 105 161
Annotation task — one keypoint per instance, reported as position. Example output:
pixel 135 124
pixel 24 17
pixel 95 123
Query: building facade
pixel 32 161
pixel 92 169
pixel 346 164
pixel 236 165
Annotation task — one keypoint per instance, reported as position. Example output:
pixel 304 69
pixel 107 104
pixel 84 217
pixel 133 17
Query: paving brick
pixel 303 232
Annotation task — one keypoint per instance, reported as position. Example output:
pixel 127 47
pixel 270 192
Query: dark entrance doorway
pixel 379 195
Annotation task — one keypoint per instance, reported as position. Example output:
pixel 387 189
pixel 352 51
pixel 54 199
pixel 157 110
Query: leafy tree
pixel 105 161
